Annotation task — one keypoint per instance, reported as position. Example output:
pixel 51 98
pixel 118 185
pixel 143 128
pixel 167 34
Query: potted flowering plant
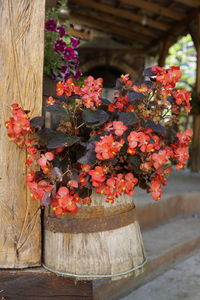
pixel 103 146
pixel 109 146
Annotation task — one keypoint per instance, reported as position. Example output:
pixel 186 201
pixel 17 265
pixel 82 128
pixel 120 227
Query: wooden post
pixel 21 72
pixel 164 47
pixel 196 124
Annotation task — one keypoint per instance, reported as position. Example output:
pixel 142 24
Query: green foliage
pixel 183 54
pixel 52 61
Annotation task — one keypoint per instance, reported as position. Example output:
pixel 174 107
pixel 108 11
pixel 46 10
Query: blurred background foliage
pixel 183 54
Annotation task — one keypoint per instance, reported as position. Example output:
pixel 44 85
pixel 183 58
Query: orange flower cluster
pixel 109 146
pixel 112 186
pixel 18 125
pixel 67 88
pixel 65 201
pixel 91 92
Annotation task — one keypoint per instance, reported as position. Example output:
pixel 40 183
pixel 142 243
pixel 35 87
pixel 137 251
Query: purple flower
pixel 51 25
pixel 61 31
pixel 59 46
pixel 75 42
pixel 69 53
pixel 64 69
pixel 66 75
pixel 77 74
pixel 77 63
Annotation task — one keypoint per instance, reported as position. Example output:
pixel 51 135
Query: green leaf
pixel 134 96
pixel 135 162
pixel 149 72
pixel 89 158
pixel 57 109
pixel 156 127
pixel 105 101
pixel 60 139
pixel 94 138
pixel 96 117
pixel 128 118
pixel 37 122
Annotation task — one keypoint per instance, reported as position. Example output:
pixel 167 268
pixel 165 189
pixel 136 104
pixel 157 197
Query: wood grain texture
pixel 39 284
pixel 196 123
pixel 96 253
pixel 21 71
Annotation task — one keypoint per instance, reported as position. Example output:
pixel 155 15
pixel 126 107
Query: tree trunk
pixel 21 72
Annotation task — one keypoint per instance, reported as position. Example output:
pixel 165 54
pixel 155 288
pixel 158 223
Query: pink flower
pixel 91 92
pixel 108 147
pixel 133 139
pixel 182 155
pixel 143 140
pixel 119 128
pixel 185 137
pixel 73 183
pixel 156 190
pixel 159 158
pixel 50 101
pixel 45 158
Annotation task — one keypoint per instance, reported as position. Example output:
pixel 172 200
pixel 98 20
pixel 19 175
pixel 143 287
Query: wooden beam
pixel 190 3
pixel 135 28
pixel 109 28
pixel 121 13
pixel 80 34
pixel 40 284
pixel 155 8
pixel 21 73
pixel 50 3
pixel 196 123
pixel 128 50
pixel 176 29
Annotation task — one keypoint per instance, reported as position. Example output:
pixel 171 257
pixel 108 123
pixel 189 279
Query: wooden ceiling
pixel 141 24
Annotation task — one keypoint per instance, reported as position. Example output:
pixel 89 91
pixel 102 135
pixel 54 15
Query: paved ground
pixel 182 282
pixel 175 232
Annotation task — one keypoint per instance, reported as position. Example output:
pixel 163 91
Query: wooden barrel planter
pixel 97 242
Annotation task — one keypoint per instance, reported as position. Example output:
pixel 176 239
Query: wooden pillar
pixel 196 124
pixel 21 72
pixel 164 47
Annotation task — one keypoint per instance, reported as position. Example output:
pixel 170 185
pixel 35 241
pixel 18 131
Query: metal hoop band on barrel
pixel 86 225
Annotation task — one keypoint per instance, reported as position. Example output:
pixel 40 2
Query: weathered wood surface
pixel 196 123
pixel 39 284
pixel 103 252
pixel 21 71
